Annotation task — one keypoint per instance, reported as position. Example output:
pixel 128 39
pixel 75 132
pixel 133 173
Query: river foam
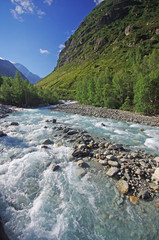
pixel 39 204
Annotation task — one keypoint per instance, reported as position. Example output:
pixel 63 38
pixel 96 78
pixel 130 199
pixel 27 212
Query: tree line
pixel 19 92
pixel 134 89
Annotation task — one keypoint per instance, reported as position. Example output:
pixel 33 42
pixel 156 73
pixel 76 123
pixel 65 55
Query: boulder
pixel 54 121
pixel 122 186
pixel 112 171
pixel 80 153
pixel 155 176
pixel 2 134
pixel 72 132
pixel 55 167
pixel 44 146
pixel 14 124
pixel 47 142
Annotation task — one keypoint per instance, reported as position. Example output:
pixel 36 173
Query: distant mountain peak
pixel 8 68
pixel 33 78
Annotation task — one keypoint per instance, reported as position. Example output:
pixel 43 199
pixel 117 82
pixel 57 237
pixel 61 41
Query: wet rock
pixel 112 171
pixel 2 134
pixel 80 153
pixel 54 121
pixel 55 167
pixel 134 200
pixel 72 132
pixel 122 186
pixel 14 124
pixel 82 164
pixel 48 141
pixel 44 146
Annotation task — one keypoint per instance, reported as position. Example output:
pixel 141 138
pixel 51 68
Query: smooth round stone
pixel 122 186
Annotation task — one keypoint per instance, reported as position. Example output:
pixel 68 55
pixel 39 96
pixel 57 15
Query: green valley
pixel 118 38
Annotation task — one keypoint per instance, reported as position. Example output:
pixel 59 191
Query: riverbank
pixel 103 112
pixel 5 110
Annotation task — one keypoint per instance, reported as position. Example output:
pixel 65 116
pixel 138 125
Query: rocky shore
pixel 136 172
pixel 103 112
pixel 5 110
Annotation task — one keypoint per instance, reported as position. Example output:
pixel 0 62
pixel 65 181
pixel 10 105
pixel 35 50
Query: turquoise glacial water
pixel 39 204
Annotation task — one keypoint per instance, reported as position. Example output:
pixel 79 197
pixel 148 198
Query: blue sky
pixel 34 31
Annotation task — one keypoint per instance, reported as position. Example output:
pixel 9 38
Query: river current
pixel 39 204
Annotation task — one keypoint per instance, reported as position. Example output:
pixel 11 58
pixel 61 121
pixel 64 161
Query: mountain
pixel 8 69
pixel 111 36
pixel 33 78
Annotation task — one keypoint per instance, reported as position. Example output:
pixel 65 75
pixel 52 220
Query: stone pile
pixel 136 172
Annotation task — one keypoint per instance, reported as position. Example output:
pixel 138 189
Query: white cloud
pixel 25 7
pixel 49 2
pixel 44 51
pixel 40 13
pixel 98 1
pixel 61 46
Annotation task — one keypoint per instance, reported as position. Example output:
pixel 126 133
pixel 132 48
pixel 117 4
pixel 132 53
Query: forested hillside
pixel 112 58
pixel 19 92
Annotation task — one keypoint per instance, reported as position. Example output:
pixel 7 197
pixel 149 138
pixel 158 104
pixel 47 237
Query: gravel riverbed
pixel 103 112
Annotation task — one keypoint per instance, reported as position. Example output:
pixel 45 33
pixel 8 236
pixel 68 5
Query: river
pixel 39 204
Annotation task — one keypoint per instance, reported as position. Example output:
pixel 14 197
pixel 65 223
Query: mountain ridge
pixel 8 69
pixel 109 37
pixel 33 78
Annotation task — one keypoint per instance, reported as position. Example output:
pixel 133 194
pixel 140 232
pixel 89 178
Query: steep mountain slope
pixel 33 78
pixel 8 69
pixel 109 37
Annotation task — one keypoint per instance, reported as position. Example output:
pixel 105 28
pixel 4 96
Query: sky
pixel 33 32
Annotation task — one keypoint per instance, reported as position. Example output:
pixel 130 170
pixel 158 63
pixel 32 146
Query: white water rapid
pixel 39 204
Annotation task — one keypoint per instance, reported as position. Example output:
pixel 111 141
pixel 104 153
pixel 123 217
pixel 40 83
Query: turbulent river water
pixel 39 204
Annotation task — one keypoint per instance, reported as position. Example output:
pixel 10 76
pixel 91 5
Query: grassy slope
pixel 100 42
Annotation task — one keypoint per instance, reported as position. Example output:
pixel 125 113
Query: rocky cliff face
pixel 107 36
